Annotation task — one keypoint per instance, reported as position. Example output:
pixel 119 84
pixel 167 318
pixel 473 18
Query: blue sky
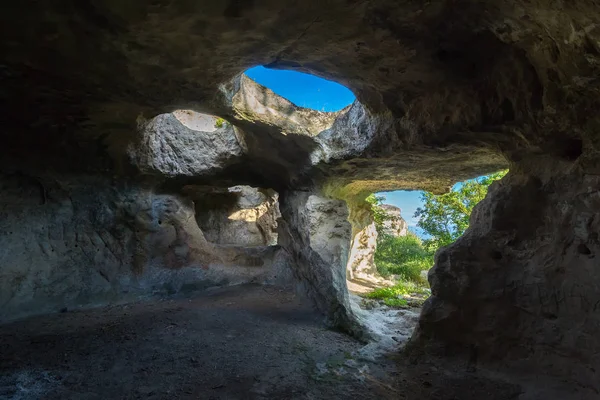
pixel 323 95
pixel 408 201
pixel 304 90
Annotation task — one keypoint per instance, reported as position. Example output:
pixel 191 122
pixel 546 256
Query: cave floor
pixel 241 342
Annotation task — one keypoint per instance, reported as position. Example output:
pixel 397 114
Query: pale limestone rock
pixel 83 242
pixel 241 216
pixel 394 225
pixel 316 233
pixel 361 262
pixel 168 147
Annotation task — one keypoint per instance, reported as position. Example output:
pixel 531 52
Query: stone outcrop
pixel 361 261
pixel 446 90
pixel 394 225
pixel 316 233
pixel 520 288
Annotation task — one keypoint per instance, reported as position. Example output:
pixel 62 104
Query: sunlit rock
pixel 394 224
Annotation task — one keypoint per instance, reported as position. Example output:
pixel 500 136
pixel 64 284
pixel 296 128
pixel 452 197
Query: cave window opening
pixel 304 90
pixel 390 258
pixel 239 216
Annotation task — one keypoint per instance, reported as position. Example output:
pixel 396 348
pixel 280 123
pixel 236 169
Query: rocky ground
pixel 242 342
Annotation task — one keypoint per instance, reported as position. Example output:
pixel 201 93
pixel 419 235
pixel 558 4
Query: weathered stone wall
pixel 316 233
pixel 240 215
pixel 521 287
pixel 394 225
pixel 81 241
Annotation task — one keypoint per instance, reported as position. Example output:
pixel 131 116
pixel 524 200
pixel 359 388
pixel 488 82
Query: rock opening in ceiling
pixel 184 143
pixel 304 90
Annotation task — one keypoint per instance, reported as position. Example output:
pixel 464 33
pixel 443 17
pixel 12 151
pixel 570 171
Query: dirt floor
pixel 242 342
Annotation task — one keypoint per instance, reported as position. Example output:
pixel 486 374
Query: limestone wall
pixel 316 233
pixel 69 242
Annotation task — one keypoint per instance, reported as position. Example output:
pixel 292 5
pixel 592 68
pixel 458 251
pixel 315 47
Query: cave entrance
pixel 393 250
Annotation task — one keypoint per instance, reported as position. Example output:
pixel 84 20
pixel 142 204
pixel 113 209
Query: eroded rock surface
pixel 446 90
pixel 84 241
pixel 361 261
pixel 240 215
pixel 316 232
pixel 167 147
pixel 394 224
pixel 532 245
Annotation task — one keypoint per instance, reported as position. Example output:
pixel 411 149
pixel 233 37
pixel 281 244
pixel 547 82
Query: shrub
pixel 396 303
pixel 404 256
pixel 379 214
pixel 220 122
pixel 444 218
pixel 393 293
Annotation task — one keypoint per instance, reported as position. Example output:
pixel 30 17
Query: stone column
pixel 316 232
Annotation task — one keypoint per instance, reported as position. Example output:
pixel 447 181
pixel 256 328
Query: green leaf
pixel 446 217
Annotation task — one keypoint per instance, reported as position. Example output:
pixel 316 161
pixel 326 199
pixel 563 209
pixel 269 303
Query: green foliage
pixel 220 122
pixel 446 217
pixel 401 288
pixel 379 214
pixel 404 256
pixel 400 303
pixel 394 296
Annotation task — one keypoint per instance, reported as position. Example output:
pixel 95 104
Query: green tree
pixel 379 214
pixel 446 217
pixel 404 256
